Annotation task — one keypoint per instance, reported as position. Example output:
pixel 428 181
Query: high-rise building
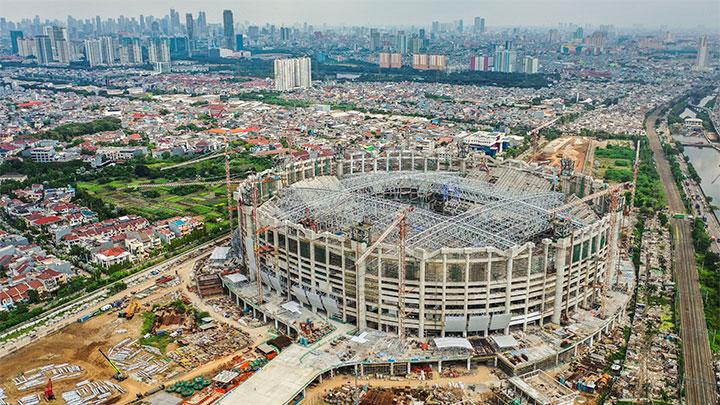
pixel 159 50
pixel 429 62
pixel 401 42
pixel 375 43
pixel 190 27
pixel 26 47
pixel 482 25
pixel 107 50
pixel 239 42
pixel 504 60
pixel 93 54
pixel 284 33
pixel 703 62
pixel 43 49
pixel 292 73
pixel 228 29
pixel 130 51
pixel 201 25
pixel 390 60
pixel 479 25
pixel 59 43
pixel 14 36
pixel 530 65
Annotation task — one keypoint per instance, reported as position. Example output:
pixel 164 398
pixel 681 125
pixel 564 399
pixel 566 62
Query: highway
pixel 699 379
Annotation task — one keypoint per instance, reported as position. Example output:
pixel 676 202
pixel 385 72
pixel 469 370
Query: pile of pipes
pixel 33 399
pixel 3 397
pixel 92 392
pixel 39 376
pixel 141 362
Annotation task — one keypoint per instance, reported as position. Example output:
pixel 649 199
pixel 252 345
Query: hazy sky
pixel 685 13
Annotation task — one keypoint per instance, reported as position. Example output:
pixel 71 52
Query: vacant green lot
pixel 207 201
pixel 614 162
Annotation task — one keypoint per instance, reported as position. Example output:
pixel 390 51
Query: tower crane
pixel 118 373
pixel 401 223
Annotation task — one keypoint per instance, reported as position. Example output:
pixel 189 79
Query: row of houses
pixel 25 267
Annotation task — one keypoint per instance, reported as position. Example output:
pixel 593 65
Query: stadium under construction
pixel 428 246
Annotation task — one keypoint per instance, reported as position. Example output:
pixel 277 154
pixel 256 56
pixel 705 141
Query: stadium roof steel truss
pixel 496 216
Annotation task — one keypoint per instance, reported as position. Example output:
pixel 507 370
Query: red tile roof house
pixel 112 256
pixel 6 301
pixel 50 279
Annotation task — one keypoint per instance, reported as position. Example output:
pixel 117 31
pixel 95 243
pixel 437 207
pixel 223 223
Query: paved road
pixel 698 372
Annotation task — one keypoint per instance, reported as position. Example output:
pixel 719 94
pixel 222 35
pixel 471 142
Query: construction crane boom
pixel 589 197
pixel 118 374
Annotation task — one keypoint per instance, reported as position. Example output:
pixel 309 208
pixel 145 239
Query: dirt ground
pixel 79 345
pixel 571 147
pixel 480 375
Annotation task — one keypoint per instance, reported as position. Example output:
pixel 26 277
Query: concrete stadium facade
pixel 464 273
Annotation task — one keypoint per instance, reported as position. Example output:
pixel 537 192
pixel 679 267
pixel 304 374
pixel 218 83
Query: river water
pixel 707 163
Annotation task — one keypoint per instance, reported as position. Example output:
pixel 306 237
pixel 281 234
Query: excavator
pixel 130 311
pixel 118 374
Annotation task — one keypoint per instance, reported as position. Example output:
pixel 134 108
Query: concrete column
pixel 546 246
pixel 439 366
pixel 508 287
pixel 468 363
pixel 560 258
pixel 392 368
pixel 277 327
pixel 467 290
pixel 421 293
pixel 339 168
pixel 360 282
pixel 362 370
pixel 408 367
pixel 527 284
pixel 444 294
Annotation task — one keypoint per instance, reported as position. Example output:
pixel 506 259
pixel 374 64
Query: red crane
pixel 49 394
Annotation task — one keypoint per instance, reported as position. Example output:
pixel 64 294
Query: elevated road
pixel 699 380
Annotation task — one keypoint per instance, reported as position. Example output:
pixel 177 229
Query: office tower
pixel 459 26
pixel 190 27
pixel 228 29
pixel 284 33
pixel 174 22
pixel 61 48
pixel 43 49
pixel 57 34
pixel 239 42
pixel 98 25
pixel 482 25
pixel 578 33
pixel 130 51
pixel 292 73
pixel 14 36
pixel 436 27
pixel 375 43
pixel 93 54
pixel 703 62
pixel 202 25
pixel 390 60
pixel 421 33
pixel 107 50
pixel 142 23
pixel 159 50
pixel 476 25
pixel 530 65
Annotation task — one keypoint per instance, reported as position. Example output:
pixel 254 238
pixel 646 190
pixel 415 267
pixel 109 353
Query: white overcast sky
pixel 648 13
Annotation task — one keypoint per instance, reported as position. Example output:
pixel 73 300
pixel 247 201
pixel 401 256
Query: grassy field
pixel 158 203
pixel 614 162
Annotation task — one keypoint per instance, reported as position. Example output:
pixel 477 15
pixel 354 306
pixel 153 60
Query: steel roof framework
pixel 501 217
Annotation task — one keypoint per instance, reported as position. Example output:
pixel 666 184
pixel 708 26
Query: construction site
pixel 508 268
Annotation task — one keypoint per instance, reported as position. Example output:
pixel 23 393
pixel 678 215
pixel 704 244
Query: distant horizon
pixel 704 15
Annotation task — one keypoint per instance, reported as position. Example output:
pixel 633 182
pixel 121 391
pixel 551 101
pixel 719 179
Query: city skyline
pixel 642 13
